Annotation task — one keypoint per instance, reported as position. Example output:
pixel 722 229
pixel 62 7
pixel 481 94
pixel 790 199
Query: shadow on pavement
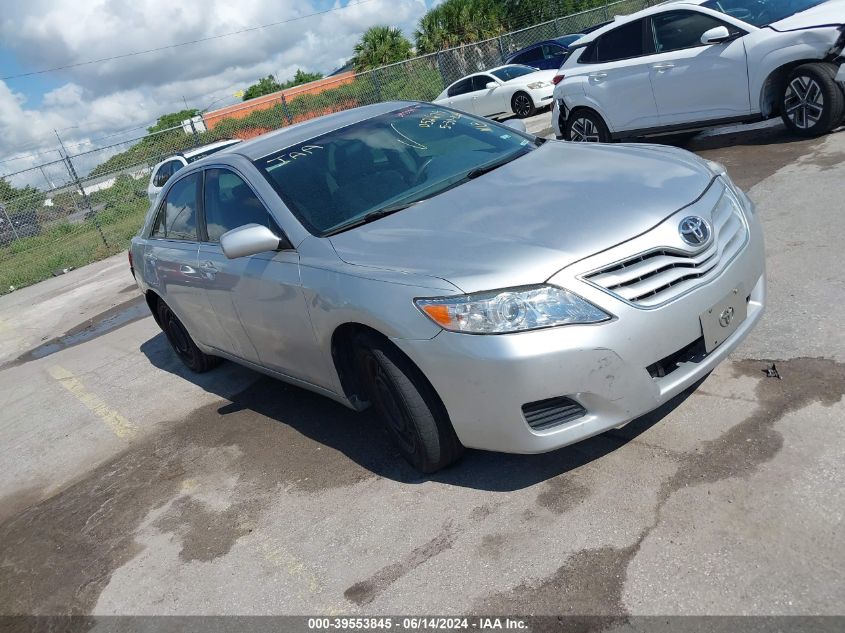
pixel 361 439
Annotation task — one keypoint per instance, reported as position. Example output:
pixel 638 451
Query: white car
pixel 162 172
pixel 693 64
pixel 506 90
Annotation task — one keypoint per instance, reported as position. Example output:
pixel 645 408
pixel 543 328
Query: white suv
pixel 692 64
pixel 162 172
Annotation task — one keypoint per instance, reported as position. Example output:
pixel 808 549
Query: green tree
pixel 456 22
pixel 173 119
pixel 19 199
pixel 301 77
pixel 264 86
pixel 381 45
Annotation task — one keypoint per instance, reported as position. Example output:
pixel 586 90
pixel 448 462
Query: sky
pixel 89 102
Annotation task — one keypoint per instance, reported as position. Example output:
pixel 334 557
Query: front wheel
pixel 522 105
pixel 585 126
pixel 182 343
pixel 812 103
pixel 415 418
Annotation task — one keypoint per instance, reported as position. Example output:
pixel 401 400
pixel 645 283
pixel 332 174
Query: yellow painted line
pixel 117 424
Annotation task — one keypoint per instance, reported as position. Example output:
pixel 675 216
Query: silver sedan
pixel 478 286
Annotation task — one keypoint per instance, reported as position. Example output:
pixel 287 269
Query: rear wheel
pixel 585 126
pixel 522 105
pixel 415 418
pixel 812 103
pixel 182 343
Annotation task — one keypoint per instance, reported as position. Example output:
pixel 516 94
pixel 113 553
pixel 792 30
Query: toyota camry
pixel 447 271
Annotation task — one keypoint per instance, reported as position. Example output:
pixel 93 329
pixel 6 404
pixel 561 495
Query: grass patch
pixel 33 259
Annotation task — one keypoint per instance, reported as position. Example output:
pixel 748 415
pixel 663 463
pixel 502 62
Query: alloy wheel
pixel 804 102
pixel 584 131
pixel 522 105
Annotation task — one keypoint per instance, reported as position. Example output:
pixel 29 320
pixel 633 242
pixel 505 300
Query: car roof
pixel 300 132
pixel 619 20
pixel 553 40
pixel 188 153
pixel 488 71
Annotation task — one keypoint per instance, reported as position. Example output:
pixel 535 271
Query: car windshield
pixel 208 152
pixel 760 13
pixel 333 182
pixel 566 40
pixel 506 73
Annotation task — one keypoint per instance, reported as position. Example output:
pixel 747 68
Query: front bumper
pixel 485 380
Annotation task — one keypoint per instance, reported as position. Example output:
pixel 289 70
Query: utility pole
pixel 72 171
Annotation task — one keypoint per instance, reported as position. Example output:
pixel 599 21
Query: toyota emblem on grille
pixel 694 230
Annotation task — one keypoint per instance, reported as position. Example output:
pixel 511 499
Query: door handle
pixel 597 75
pixel 662 67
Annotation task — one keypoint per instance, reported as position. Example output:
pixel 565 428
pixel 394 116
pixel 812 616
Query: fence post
pixel 285 110
pixel 501 48
pixel 557 26
pixel 194 132
pixel 376 84
pixel 606 11
pixel 73 175
pixel 440 70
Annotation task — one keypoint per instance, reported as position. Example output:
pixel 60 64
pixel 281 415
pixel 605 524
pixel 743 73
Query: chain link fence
pixel 77 208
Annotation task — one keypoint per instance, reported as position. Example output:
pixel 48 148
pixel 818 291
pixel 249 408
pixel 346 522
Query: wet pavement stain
pixel 366 591
pixel 491 545
pixel 103 323
pixel 58 555
pixel 591 581
pixel 563 493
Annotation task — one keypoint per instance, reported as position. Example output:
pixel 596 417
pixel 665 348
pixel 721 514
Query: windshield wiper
pixel 485 169
pixel 372 216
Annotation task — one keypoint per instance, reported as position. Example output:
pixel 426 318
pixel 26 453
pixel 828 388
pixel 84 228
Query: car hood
pixel 826 14
pixel 540 75
pixel 523 222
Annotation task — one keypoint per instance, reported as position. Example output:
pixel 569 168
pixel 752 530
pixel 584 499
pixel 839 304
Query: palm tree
pixel 381 45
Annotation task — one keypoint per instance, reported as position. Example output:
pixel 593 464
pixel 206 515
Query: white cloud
pixel 99 99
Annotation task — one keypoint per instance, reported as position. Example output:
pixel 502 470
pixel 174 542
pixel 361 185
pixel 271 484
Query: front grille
pixel 659 275
pixel 545 414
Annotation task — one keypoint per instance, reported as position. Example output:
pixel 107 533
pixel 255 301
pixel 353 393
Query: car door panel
pixel 487 101
pixel 257 300
pixel 694 82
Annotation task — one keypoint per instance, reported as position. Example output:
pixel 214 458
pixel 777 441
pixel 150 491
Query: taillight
pixel 557 79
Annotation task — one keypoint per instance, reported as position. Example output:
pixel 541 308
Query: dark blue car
pixel 545 55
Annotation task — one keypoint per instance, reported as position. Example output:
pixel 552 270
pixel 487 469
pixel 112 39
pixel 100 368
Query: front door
pixel 258 299
pixel 694 82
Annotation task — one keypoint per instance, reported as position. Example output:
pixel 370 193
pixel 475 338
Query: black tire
pixel 182 343
pixel 407 404
pixel 522 105
pixel 812 102
pixel 586 126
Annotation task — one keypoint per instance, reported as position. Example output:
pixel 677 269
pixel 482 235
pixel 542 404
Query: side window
pixel 462 87
pixel 550 51
pixel 532 55
pixel 675 30
pixel 230 203
pixel 180 209
pixel 621 43
pixel 479 82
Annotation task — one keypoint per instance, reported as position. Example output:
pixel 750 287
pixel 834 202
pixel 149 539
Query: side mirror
pixel 161 179
pixel 517 124
pixel 491 85
pixel 250 239
pixel 716 35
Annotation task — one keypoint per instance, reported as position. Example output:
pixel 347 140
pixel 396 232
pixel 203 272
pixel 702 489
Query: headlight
pixel 511 310
pixel 721 171
pixel 538 84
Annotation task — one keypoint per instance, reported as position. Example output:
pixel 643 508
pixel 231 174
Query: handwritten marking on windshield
pixel 302 152
pixel 408 141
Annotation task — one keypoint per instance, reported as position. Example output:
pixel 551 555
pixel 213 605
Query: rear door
pixel 170 258
pixel 258 300
pixel 617 77
pixel 696 82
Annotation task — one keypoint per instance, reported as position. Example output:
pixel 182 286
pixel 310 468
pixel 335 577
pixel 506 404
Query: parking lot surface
pixel 132 486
